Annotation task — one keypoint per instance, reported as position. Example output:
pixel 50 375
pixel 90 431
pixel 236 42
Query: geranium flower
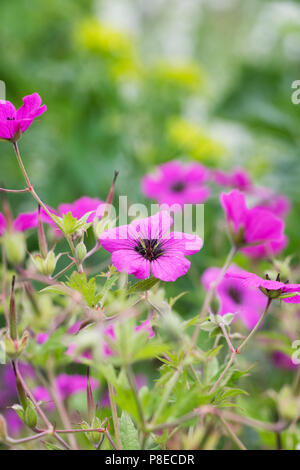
pixel 110 333
pixel 256 227
pixel 278 204
pixel 140 380
pixel 67 385
pixel 176 183
pixel 14 122
pixel 234 297
pixel 80 207
pixel 274 289
pixel 237 178
pixel 283 361
pixel 146 245
pixel 24 221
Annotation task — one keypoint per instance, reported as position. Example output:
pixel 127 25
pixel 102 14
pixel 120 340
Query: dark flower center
pixel 149 249
pixel 10 119
pixel 235 295
pixel 178 187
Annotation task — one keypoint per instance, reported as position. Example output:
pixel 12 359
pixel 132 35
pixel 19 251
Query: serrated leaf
pixel 79 282
pixel 128 432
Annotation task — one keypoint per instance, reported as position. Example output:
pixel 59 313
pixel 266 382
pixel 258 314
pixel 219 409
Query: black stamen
pixel 149 249
pixel 235 294
pixel 178 187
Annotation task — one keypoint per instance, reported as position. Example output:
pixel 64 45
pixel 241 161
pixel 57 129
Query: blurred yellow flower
pixel 188 75
pixel 111 43
pixel 192 139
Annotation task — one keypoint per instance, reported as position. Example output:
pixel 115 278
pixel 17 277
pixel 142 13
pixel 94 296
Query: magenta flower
pixel 42 338
pixel 140 380
pixel 14 423
pixel 80 207
pixel 109 332
pixel 24 221
pixel 67 385
pixel 176 183
pixel 14 122
pixel 283 361
pixel 278 204
pixel 146 245
pixel 237 178
pixel 274 289
pixel 234 297
pixel 257 231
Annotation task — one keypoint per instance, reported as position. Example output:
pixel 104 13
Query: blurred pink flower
pixel 25 221
pixel 67 385
pixel 257 227
pixel 283 361
pixel 146 245
pixel 269 287
pixel 14 423
pixel 42 338
pixel 234 297
pixel 14 122
pixel 176 183
pixel 237 178
pixel 110 333
pixel 278 204
pixel 80 207
pixel 140 380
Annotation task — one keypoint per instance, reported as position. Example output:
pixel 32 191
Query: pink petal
pixel 169 268
pixel 262 226
pixel 2 224
pixel 234 205
pixel 185 243
pixel 131 262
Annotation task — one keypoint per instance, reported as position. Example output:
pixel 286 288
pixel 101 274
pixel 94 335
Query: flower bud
pixel 80 251
pixel 3 429
pixel 102 225
pixel 30 415
pixel 14 246
pixel 94 437
pixel 14 348
pixel 46 265
pixel 172 327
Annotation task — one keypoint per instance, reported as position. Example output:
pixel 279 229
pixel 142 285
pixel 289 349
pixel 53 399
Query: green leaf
pixel 144 285
pixel 287 296
pixel 129 434
pixel 227 318
pixel 79 282
pixel 70 224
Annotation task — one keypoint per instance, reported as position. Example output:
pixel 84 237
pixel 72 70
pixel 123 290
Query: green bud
pixel 102 225
pixel 288 404
pixel 30 415
pixel 172 327
pixel 3 429
pixel 94 437
pixel 46 265
pixel 80 251
pixel 14 246
pixel 14 348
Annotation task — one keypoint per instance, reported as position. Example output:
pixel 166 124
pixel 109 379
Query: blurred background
pixel 130 84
